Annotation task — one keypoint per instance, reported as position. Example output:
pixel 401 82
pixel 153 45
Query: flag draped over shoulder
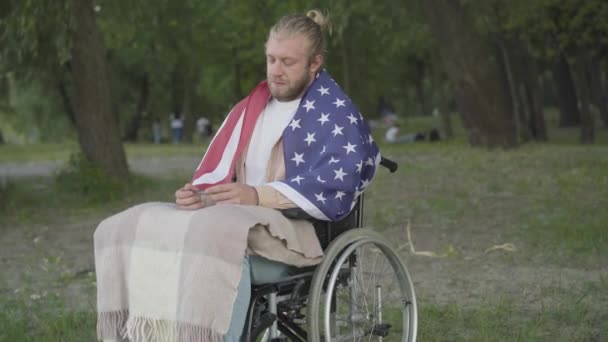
pixel 330 156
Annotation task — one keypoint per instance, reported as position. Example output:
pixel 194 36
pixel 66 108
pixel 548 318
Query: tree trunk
pixel 531 95
pixel 566 93
pixel 583 80
pixel 62 88
pixel 516 103
pixel 476 77
pixel 598 86
pixel 536 123
pixel 98 130
pixel 420 102
pixel 135 123
pixel 177 88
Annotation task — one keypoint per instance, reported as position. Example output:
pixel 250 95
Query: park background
pixel 509 208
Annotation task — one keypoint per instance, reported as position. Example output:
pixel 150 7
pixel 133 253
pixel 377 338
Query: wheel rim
pixel 382 295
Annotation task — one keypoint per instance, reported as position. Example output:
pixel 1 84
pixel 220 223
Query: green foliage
pixel 34 115
pixel 83 178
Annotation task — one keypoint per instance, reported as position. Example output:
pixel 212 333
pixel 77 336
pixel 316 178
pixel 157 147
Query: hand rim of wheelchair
pixel 343 246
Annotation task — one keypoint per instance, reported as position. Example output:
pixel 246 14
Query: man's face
pixel 289 67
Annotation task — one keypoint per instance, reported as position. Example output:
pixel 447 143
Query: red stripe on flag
pixel 253 105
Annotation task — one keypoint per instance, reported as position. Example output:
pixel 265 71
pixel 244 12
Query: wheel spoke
pixel 377 287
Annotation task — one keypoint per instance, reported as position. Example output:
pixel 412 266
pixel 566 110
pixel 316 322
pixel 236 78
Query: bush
pixel 85 179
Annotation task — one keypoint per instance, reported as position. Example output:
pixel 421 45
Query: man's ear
pixel 316 63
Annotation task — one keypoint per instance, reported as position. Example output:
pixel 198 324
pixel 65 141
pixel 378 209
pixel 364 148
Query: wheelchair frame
pixel 279 306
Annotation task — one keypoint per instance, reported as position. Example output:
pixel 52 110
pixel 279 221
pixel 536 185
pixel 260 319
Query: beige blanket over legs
pixel 166 274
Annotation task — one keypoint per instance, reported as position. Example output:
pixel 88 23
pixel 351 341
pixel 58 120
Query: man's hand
pixel 233 193
pixel 188 198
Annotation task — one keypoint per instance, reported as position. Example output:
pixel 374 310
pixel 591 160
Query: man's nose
pixel 275 69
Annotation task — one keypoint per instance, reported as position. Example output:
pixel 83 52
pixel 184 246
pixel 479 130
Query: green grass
pixel 548 196
pixel 568 320
pixel 44 319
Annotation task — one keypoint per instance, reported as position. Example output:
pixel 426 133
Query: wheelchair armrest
pixel 297 214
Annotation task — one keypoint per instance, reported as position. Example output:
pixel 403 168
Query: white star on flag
pixel 324 149
pixel 320 180
pixel 352 118
pixel 323 91
pixel 370 139
pixel 339 103
pixel 323 118
pixel 333 160
pixel 364 184
pixel 340 174
pixel 310 138
pixel 340 194
pixel 359 166
pixel 297 179
pixel 309 105
pixel 320 197
pixel 350 148
pixel 337 130
pixel 369 162
pixel 294 124
pixel 298 158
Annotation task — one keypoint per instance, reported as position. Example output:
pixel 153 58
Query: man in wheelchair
pixel 296 151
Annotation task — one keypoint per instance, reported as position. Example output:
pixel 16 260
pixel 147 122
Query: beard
pixel 289 90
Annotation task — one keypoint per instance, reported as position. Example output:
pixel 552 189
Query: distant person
pixel 177 126
pixel 202 125
pixel 156 130
pixel 392 135
pixel 434 135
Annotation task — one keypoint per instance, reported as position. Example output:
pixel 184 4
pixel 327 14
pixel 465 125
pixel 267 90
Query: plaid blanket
pixel 165 274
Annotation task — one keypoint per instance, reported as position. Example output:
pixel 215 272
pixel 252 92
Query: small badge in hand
pixel 205 198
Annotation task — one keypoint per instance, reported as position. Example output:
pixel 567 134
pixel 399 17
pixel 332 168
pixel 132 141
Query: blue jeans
pixel 256 270
pixel 241 303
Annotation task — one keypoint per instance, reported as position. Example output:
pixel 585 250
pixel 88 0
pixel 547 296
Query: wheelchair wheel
pixel 361 291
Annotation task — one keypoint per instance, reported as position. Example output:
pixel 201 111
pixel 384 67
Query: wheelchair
pixel 361 291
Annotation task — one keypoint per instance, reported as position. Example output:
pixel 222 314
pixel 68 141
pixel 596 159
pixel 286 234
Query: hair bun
pixel 320 19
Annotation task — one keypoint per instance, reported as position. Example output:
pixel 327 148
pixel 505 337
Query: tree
pixel 473 68
pixel 98 132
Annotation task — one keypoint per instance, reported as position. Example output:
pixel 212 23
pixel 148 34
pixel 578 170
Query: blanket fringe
pixel 111 324
pixel 118 325
pixel 144 329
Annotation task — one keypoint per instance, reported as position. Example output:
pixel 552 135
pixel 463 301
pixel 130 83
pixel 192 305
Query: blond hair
pixel 312 24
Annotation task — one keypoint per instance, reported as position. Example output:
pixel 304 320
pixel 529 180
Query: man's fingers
pixel 188 200
pixel 223 196
pixel 184 193
pixel 220 188
pixel 192 206
pixel 230 201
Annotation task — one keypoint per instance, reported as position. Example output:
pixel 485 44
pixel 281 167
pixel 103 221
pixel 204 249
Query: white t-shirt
pixel 268 130
pixel 202 124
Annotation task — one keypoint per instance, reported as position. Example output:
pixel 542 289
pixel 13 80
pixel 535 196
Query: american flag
pixel 330 155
